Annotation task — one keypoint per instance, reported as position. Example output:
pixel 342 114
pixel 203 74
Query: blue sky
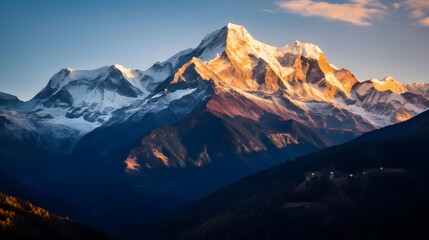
pixel 372 38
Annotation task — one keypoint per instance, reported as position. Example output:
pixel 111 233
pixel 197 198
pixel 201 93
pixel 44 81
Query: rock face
pixel 336 193
pixel 294 83
pixel 229 107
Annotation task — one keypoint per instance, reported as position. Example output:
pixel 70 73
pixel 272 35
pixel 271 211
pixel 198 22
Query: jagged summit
pixel 235 39
pixel 229 32
pixel 285 81
pixel 228 54
pixel 229 37
pixel 389 83
pixel 69 76
pixel 232 57
pixel 236 27
pixel 238 33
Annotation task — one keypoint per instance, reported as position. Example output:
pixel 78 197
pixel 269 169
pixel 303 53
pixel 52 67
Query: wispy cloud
pixel 269 10
pixel 418 10
pixel 424 21
pixel 418 13
pixel 357 12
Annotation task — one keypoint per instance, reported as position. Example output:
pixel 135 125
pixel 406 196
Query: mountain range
pixel 373 187
pixel 128 148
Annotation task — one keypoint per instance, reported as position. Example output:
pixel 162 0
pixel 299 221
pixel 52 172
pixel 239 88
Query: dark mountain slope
pixel 14 187
pixel 21 219
pixel 220 144
pixel 7 99
pixel 279 203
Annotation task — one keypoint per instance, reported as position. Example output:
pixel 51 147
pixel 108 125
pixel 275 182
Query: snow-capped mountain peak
pixel 239 28
pixel 232 69
pixel 128 73
pixel 240 43
pixel 113 73
pixel 389 84
pixel 238 33
pixel 231 32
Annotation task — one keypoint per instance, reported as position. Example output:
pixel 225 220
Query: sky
pixel 371 38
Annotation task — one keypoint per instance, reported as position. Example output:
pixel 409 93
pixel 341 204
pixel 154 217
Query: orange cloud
pixel 417 13
pixel 419 10
pixel 357 12
pixel 424 22
pixel 414 4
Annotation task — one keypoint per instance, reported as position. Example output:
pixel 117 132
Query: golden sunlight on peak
pixel 387 84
